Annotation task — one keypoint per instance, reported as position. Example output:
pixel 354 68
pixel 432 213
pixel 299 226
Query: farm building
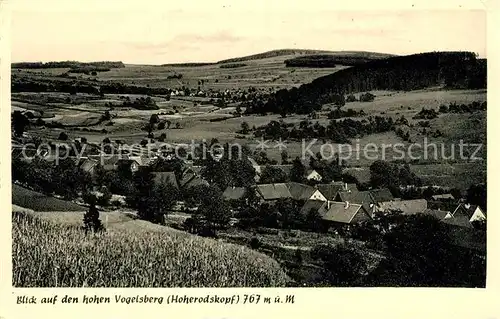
pixel 304 192
pixel 471 212
pixel 336 213
pixel 191 179
pixel 356 197
pixel 331 190
pixel 458 221
pixel 406 207
pixel 127 164
pixel 380 195
pixel 273 192
pixel 438 214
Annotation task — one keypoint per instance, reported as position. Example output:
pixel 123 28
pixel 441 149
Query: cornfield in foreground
pixel 47 254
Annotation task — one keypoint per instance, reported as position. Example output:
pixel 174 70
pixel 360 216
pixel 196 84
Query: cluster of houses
pixel 342 203
pixel 336 202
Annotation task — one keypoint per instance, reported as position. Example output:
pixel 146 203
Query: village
pixel 338 204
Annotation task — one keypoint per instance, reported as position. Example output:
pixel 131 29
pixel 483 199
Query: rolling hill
pixel 400 73
pixel 302 52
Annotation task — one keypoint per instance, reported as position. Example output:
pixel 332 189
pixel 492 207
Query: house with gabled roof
pixel 458 221
pixel 471 212
pixel 438 214
pixel 313 175
pixel 331 190
pixel 406 207
pixel 190 178
pixel 272 192
pixel 128 164
pixel 304 192
pixel 337 213
pixel 380 195
pixel 356 197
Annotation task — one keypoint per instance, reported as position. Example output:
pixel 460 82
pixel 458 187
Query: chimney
pixel 345 186
pixel 346 205
pixel 328 204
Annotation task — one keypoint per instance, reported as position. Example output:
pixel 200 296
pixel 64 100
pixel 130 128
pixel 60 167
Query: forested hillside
pixel 400 73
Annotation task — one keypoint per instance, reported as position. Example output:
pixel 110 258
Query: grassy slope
pixel 39 202
pixel 51 253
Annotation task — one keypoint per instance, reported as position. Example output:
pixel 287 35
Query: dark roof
pixel 300 191
pixel 164 178
pixel 443 205
pixel 467 209
pixel 311 204
pixel 234 193
pixel 407 207
pixel 356 197
pixel 438 214
pixel 381 195
pixel 190 178
pixel 273 191
pixel 339 212
pixel 331 190
pixel 459 221
pixel 126 162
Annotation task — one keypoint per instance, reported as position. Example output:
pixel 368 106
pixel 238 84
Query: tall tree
pixel 298 171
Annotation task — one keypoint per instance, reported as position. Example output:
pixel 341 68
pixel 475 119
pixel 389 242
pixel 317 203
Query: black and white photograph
pixel 170 146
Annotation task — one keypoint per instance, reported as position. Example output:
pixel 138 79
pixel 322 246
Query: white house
pixel 313 175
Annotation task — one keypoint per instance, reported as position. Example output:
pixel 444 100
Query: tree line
pixel 401 73
pixel 67 64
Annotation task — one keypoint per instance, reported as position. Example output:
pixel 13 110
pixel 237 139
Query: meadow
pixel 47 253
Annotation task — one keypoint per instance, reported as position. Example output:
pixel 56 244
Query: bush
pixel 367 97
pixel 351 98
pixel 255 243
pixel 63 136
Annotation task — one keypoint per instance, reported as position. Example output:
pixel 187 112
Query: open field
pixel 195 124
pixel 269 73
pixel 65 257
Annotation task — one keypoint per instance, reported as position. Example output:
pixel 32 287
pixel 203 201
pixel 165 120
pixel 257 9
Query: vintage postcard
pixel 262 154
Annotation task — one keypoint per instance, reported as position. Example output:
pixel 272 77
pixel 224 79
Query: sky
pixel 157 32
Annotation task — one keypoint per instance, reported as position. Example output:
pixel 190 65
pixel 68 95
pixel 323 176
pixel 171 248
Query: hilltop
pixel 285 52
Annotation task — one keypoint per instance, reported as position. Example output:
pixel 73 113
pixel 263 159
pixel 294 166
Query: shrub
pixel 63 136
pixel 367 97
pixel 255 243
pixel 351 98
